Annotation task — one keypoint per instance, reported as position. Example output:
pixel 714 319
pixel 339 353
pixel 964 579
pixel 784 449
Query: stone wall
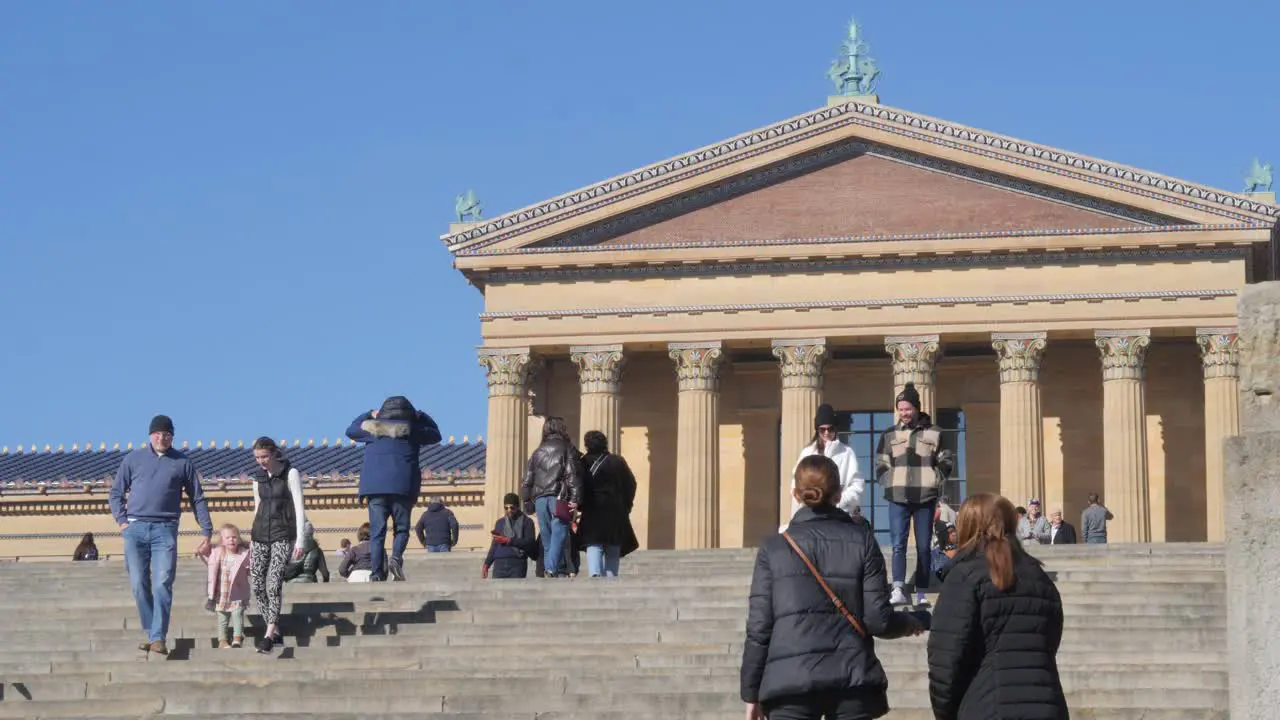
pixel 1252 485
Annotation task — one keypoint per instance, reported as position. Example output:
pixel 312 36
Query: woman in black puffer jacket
pixel 803 658
pixel 994 642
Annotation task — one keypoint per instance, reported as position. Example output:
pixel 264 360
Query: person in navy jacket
pixel 391 475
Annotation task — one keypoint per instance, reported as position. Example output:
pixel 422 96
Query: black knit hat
pixel 511 499
pixel 826 416
pixel 910 394
pixel 161 423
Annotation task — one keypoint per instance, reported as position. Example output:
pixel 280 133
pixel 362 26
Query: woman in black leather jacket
pixel 803 658
pixel 553 487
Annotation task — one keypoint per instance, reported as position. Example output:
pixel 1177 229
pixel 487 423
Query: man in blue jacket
pixel 146 502
pixel 391 475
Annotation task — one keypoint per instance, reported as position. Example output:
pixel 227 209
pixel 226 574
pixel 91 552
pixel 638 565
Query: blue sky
pixel 231 214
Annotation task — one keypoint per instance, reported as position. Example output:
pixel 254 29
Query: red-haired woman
pixel 994 639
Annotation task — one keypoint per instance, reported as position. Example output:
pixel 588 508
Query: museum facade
pixel 1069 321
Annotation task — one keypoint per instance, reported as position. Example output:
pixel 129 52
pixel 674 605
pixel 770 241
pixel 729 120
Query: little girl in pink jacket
pixel 229 585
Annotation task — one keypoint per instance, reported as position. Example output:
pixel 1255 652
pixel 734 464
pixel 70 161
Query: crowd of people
pixel 820 591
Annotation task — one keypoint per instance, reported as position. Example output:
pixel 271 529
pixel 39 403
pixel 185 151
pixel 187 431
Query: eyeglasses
pixel 827 429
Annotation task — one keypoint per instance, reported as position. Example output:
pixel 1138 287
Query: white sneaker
pixel 921 600
pixel 897 597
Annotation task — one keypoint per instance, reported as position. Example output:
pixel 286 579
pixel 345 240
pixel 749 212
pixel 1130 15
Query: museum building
pixel 1068 321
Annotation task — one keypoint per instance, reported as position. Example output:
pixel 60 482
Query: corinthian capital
pixel 507 369
pixel 697 364
pixel 914 358
pixel 801 361
pixel 1123 353
pixel 599 367
pixel 1219 351
pixel 1019 355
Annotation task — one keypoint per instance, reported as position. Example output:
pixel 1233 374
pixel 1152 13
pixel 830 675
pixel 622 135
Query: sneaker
pixel 263 645
pixel 223 644
pixel 898 597
pixel 921 600
pixel 237 642
pixel 397 569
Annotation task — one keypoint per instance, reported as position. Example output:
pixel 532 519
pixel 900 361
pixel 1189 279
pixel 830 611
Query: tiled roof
pixel 78 466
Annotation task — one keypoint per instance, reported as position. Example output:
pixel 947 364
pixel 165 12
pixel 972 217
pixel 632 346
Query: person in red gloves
pixel 514 542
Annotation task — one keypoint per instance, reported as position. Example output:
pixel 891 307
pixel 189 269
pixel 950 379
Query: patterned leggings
pixel 266 575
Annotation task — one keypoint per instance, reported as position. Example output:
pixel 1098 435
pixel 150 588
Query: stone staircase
pixel 1145 638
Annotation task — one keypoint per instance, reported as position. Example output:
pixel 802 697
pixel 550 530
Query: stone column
pixel 1124 433
pixel 802 362
pixel 1219 348
pixel 697 443
pixel 600 374
pixel 914 360
pixel 1021 422
pixel 506 442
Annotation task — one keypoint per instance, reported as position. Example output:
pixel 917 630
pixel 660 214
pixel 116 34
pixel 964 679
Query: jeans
pixel 1095 540
pixel 380 507
pixel 554 533
pixel 901 517
pixel 151 557
pixel 235 618
pixel 603 560
pixel 440 548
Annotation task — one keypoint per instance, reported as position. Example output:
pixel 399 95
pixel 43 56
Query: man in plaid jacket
pixel 911 466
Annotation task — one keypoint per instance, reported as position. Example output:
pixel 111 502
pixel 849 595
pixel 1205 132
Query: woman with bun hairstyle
pixel 805 656
pixel 278 535
pixel 994 640
pixel 826 442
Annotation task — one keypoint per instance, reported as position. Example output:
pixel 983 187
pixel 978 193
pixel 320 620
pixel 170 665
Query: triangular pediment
pixel 855 171
pixel 858 190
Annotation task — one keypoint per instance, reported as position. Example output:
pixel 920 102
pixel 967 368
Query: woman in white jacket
pixel 825 442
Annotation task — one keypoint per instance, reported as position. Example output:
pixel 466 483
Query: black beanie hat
pixel 826 416
pixel 161 423
pixel 511 499
pixel 910 394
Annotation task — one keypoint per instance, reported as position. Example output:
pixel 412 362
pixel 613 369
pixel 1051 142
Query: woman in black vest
pixel 277 533
pixel 608 493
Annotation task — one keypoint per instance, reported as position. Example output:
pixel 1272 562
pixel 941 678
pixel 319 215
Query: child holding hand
pixel 229 585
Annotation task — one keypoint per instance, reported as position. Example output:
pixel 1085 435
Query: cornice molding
pixel 855 303
pixel 891 262
pixel 866 239
pixel 876 117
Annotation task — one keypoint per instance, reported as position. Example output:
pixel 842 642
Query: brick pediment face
pixel 851 192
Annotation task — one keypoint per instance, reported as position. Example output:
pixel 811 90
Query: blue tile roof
pixel 79 466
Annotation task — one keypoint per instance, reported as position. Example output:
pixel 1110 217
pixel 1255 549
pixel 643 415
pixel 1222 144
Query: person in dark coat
pixel 391 475
pixel 437 528
pixel 802 657
pixel 357 565
pixel 552 482
pixel 312 567
pixel 515 542
pixel 608 493
pixel 87 549
pixel 1061 532
pixel 995 634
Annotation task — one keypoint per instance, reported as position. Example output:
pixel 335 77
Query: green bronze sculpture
pixel 854 72
pixel 468 205
pixel 1259 179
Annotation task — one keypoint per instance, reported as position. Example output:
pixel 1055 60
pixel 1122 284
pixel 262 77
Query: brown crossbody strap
pixel 835 600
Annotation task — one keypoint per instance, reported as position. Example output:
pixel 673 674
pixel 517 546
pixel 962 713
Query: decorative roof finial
pixel 854 71
pixel 468 206
pixel 1259 178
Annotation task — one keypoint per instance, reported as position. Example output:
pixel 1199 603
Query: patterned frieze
pixel 1123 353
pixel 697 364
pixel 1019 355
